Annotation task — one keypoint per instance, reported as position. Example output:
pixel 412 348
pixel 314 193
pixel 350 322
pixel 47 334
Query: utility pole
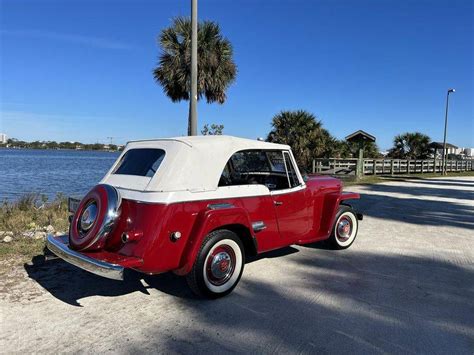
pixel 192 125
pixel 445 130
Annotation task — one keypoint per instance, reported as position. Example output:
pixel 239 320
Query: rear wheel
pixel 345 228
pixel 218 266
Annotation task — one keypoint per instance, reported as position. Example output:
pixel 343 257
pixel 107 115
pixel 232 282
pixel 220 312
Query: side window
pixel 263 167
pixel 276 161
pixel 292 176
pixel 249 161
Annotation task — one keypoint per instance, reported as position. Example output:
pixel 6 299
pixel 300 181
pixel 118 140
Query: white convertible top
pixel 192 163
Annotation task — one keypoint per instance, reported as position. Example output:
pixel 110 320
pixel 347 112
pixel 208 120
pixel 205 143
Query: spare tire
pixel 95 218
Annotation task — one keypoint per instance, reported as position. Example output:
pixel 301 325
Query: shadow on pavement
pixel 440 191
pixel 70 284
pixel 338 303
pixel 333 301
pixel 416 211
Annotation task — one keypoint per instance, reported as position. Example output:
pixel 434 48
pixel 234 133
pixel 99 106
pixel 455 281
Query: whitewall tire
pixel 345 228
pixel 218 265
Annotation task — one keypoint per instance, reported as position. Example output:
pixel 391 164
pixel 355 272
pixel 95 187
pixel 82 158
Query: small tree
pixel 410 146
pixel 214 130
pixel 304 133
pixel 216 68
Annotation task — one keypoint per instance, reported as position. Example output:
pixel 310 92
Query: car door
pixel 241 170
pixel 292 204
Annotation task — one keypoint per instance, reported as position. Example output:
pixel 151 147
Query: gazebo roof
pixel 359 136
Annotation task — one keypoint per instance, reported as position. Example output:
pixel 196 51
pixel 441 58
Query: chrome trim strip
pixel 219 206
pixel 258 226
pixel 286 169
pixel 60 247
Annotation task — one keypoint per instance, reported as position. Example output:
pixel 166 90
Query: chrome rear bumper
pixel 60 247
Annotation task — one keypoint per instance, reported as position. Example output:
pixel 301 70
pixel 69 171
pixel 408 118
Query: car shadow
pixel 69 283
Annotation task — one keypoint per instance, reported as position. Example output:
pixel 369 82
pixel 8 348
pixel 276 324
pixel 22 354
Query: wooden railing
pixel 389 166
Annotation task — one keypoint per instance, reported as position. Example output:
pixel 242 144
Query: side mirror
pixel 305 177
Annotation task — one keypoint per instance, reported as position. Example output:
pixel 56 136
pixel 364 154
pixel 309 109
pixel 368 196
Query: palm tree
pixel 216 68
pixel 410 146
pixel 304 133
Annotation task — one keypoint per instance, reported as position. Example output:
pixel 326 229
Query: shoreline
pixel 61 149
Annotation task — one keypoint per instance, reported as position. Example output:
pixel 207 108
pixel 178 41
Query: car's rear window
pixel 141 162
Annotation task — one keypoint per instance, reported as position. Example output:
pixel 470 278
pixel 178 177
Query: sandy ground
pixel 405 286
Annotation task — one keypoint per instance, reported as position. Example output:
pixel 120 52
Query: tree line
pixel 15 143
pixel 309 140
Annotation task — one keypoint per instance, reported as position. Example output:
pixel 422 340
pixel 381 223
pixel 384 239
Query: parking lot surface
pixel 405 286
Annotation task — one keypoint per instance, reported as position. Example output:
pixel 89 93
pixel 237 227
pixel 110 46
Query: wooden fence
pixel 389 166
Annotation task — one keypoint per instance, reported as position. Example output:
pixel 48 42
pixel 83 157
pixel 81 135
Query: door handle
pixel 277 203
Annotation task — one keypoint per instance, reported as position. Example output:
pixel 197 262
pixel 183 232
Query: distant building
pixel 469 152
pixel 3 138
pixel 452 151
pixel 438 148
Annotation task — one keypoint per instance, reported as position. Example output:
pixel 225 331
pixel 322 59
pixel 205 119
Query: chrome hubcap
pixel 220 265
pixel 344 229
pixel 88 217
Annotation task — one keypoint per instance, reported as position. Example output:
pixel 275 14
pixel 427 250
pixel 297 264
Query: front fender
pixel 330 207
pixel 206 222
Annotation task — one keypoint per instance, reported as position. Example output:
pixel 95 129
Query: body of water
pixel 49 172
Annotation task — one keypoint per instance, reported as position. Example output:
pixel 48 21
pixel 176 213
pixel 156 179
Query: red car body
pixel 166 235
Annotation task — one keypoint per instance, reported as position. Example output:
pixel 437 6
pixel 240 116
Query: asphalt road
pixel 405 286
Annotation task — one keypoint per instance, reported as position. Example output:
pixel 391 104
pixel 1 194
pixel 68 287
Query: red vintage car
pixel 198 206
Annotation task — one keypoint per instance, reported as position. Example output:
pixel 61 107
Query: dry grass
pixel 30 212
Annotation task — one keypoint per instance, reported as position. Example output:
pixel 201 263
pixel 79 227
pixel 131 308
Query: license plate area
pixel 73 204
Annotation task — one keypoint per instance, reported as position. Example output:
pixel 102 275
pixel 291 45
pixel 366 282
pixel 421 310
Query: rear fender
pixel 206 222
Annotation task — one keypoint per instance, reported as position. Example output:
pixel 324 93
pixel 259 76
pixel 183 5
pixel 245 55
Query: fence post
pixel 422 166
pixel 392 163
pixel 375 167
pixel 314 166
pixel 408 166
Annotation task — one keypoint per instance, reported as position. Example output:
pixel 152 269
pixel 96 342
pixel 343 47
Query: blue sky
pixel 82 70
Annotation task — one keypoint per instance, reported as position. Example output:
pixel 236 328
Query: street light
pixel 445 129
pixel 194 69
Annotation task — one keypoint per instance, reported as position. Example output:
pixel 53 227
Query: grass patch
pixel 32 213
pixel 23 248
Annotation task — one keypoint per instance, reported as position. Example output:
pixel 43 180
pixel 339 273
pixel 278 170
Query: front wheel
pixel 345 228
pixel 218 266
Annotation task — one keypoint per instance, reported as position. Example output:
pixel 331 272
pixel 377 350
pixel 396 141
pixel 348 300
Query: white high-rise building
pixel 3 138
